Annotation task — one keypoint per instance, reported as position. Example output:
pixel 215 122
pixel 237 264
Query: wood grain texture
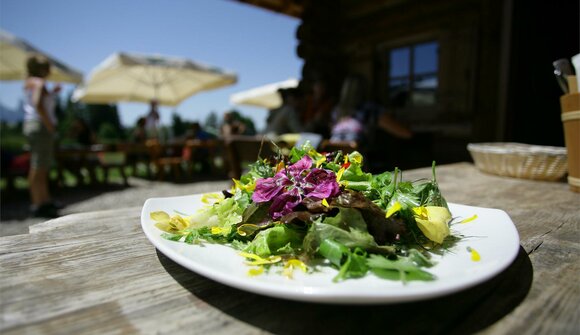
pixel 97 273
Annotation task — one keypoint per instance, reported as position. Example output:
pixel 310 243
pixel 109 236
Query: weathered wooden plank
pixel 97 273
pixel 83 217
pixel 116 281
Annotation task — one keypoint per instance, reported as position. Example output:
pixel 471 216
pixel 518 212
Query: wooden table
pixel 97 273
pixel 102 156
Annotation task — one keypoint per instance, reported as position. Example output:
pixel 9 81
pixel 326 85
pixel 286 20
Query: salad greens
pixel 312 209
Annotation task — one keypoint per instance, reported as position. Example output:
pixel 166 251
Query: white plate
pixel 493 235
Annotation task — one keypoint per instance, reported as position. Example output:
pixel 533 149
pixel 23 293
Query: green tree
pixel 108 133
pixel 178 126
pixel 212 124
pixel 104 114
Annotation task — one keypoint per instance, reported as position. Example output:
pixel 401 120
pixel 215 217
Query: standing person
pixel 39 128
pixel 316 116
pixel 152 120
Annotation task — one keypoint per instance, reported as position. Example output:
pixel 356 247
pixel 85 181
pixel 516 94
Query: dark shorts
pixel 41 143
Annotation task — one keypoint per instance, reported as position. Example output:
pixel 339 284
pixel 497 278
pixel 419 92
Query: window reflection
pixel 413 74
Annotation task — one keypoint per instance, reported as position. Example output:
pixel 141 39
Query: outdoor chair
pixel 135 154
pixel 201 152
pixel 163 156
pixel 111 158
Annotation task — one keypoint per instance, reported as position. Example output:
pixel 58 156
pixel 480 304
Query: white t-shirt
pixel 30 112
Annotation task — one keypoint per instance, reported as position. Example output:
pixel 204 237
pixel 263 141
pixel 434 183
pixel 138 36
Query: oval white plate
pixel 493 235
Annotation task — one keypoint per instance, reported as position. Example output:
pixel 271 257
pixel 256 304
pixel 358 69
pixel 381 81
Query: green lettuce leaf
pixel 347 227
pixel 403 268
pixel 224 214
pixel 280 239
pixel 350 263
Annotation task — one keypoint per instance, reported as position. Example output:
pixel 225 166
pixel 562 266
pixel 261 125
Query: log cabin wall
pixel 354 37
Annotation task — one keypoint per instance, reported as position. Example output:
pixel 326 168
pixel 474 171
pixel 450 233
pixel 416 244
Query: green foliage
pixel 108 134
pixel 11 137
pixel 100 114
pixel 211 124
pixel 179 126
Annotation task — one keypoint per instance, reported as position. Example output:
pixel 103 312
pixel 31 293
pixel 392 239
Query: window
pixel 412 74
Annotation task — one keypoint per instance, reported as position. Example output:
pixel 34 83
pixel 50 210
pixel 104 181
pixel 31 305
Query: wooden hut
pixel 469 70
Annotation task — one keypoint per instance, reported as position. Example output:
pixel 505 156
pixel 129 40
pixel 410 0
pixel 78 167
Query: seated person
pixel 198 155
pixel 235 124
pixel 319 103
pixel 355 119
pixel 139 133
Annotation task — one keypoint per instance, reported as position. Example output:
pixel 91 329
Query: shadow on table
pixel 464 312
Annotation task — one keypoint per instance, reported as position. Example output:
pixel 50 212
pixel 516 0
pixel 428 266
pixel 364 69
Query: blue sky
pixel 258 45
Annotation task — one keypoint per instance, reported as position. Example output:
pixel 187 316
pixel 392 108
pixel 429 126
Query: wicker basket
pixel 520 160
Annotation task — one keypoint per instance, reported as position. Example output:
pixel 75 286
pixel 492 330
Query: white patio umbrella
pixel 142 78
pixel 263 96
pixel 13 55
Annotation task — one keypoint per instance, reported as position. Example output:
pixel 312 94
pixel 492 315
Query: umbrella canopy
pixel 142 78
pixel 13 55
pixel 264 96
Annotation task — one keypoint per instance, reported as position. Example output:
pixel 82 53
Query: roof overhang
pixel 293 8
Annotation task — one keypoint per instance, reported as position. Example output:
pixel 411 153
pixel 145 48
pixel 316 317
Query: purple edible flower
pixel 291 185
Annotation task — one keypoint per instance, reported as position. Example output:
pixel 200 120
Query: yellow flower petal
pixel 474 254
pixel 297 264
pixel 355 157
pixel 217 230
pixel 249 187
pixel 211 198
pixel 255 271
pixel 435 224
pixel 290 265
pixel 313 153
pixel 248 255
pixel 159 216
pixel 339 174
pixel 420 212
pixel 264 261
pixel 279 166
pixel 238 185
pixel 325 203
pixel 393 209
pixel 164 226
pixel 469 219
pixel 178 223
pixel 257 260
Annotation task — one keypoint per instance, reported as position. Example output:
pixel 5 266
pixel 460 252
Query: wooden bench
pixel 77 160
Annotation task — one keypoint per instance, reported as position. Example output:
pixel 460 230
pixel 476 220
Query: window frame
pixel 383 79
